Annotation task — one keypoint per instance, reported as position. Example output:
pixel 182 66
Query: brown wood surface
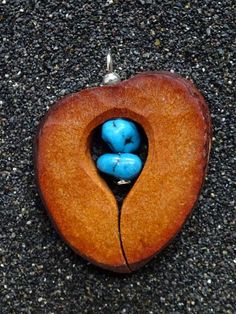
pixel 176 120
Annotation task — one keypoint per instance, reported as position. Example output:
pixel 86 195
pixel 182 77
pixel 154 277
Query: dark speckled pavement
pixel 52 48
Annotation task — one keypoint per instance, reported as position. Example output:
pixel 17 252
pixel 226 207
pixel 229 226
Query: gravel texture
pixel 52 48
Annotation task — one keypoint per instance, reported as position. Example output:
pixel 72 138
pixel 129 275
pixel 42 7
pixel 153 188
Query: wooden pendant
pixel 176 120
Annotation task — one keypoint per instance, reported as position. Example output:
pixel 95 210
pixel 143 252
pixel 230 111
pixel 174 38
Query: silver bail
pixel 111 77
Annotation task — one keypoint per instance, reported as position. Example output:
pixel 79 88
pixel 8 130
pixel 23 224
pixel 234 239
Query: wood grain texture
pixel 176 120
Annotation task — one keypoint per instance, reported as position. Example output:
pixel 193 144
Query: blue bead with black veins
pixel 123 166
pixel 121 135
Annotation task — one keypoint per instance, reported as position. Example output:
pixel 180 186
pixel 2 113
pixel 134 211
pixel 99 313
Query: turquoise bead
pixel 121 135
pixel 123 166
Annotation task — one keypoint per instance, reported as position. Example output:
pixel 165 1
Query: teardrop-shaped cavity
pixel 123 166
pixel 99 147
pixel 121 135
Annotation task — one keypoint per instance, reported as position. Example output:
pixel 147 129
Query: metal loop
pixel 109 62
pixel 111 77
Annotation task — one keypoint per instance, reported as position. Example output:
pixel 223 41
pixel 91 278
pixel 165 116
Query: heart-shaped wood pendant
pixel 176 121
